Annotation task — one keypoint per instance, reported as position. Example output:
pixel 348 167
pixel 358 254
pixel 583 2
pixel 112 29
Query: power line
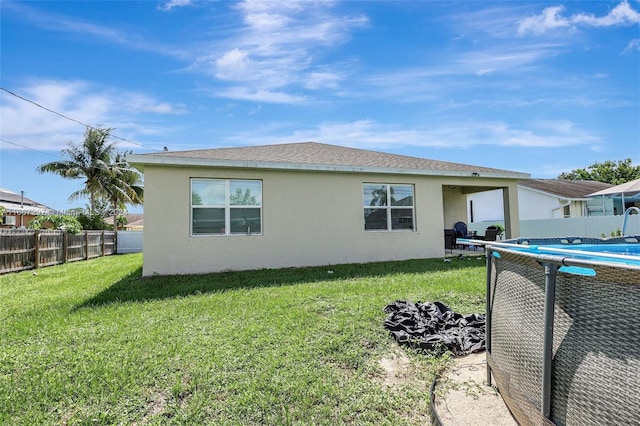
pixel 72 119
pixel 32 149
pixel 27 147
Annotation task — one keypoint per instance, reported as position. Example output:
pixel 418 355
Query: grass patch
pixel 93 342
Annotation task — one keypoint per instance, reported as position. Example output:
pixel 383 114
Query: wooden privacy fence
pixel 28 248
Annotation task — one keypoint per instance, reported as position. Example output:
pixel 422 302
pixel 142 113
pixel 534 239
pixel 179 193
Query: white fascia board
pixel 139 161
pixel 551 194
pixel 539 191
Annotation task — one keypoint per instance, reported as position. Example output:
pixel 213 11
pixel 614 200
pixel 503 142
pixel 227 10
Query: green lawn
pixel 93 342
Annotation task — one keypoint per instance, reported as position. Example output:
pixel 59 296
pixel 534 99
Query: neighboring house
pixel 542 199
pixel 135 224
pixel 19 210
pixel 135 221
pixel 303 204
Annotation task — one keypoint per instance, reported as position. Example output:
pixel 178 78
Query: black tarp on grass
pixel 435 328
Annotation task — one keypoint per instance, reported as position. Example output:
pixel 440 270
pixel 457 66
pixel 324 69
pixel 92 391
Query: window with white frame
pixel 226 207
pixel 388 207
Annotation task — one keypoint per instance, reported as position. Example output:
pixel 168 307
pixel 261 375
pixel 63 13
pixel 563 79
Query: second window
pixel 388 207
pixel 226 207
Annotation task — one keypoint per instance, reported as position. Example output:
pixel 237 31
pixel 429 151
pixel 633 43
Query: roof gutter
pixel 567 202
pixel 140 160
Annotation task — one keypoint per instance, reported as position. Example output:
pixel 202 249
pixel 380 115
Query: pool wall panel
pixel 595 376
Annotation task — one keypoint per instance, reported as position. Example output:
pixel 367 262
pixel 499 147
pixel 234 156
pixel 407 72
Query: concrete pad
pixel 463 397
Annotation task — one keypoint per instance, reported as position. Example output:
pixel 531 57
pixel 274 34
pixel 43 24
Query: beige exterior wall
pixel 455 205
pixel 308 219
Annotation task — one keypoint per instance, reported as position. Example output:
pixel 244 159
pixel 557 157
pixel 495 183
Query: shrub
pixel 121 221
pixel 94 222
pixel 56 221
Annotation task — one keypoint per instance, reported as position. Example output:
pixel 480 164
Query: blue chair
pixel 460 229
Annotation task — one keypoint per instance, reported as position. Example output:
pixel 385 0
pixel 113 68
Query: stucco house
pixel 19 210
pixel 303 204
pixel 543 199
pixel 135 221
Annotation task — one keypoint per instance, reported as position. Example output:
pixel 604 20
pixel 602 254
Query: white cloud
pixel 243 93
pixel 269 47
pixel 233 64
pixel 277 50
pixel 168 5
pixel 28 125
pixel 259 6
pixel 503 59
pixel 551 18
pixel 369 134
pixel 633 46
pixel 622 14
pixel 71 25
pixel 63 23
pixel 319 80
pixel 495 19
pixel 141 103
pixel 499 68
pixel 266 21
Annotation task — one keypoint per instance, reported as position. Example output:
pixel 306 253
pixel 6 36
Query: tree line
pixel 613 172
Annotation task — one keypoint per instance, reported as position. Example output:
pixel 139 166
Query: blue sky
pixel 535 87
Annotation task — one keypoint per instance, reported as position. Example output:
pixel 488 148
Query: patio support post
pixel 511 211
pixel 550 273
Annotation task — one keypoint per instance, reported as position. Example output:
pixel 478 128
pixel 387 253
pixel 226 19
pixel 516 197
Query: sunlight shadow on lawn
pixel 135 288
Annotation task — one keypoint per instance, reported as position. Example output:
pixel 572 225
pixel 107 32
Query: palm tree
pixel 122 185
pixel 91 160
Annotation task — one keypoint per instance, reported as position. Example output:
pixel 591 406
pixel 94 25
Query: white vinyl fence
pixel 589 226
pixel 129 242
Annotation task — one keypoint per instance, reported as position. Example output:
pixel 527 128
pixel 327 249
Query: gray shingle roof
pixel 17 204
pixel 314 154
pixel 565 188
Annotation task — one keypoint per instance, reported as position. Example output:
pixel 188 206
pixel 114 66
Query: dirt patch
pixel 66 417
pixel 395 369
pixel 154 407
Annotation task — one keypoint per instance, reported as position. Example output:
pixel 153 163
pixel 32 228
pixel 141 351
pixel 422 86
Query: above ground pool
pixel 627 253
pixel 563 341
pixel 629 249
